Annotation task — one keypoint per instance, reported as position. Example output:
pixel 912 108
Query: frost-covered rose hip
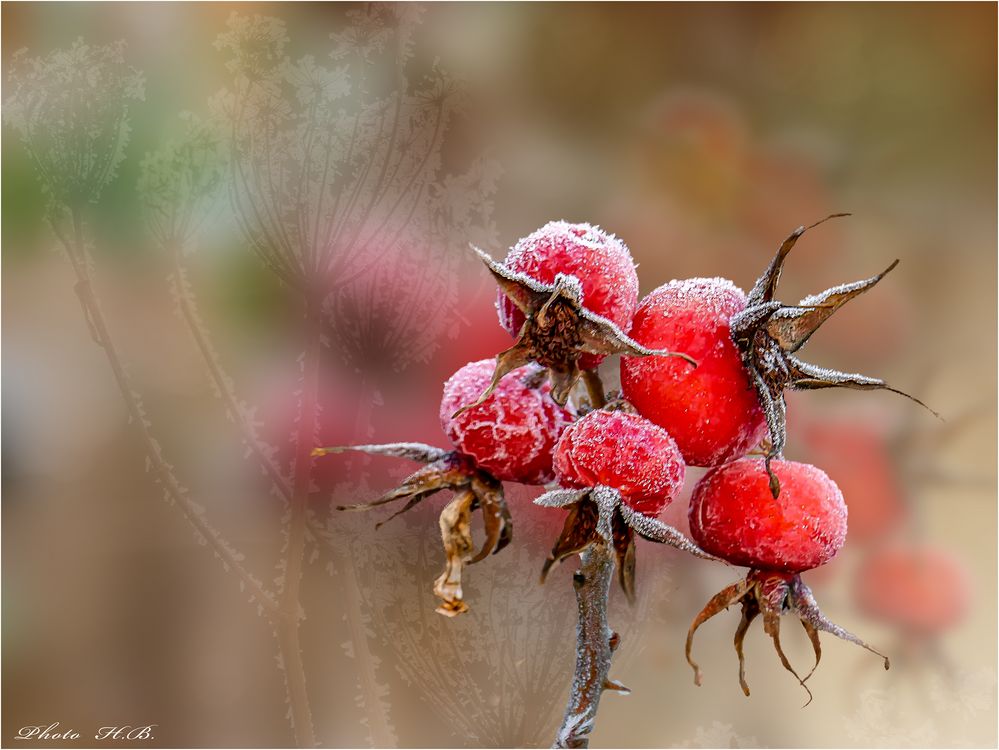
pixel 734 515
pixel 600 261
pixel 616 472
pixel 513 432
pixel 712 410
pixel 766 334
pixel 567 293
pixel 624 451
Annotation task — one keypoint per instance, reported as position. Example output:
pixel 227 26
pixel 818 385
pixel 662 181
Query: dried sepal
pixel 792 327
pixel 656 531
pixel 771 595
pixel 475 490
pixel 624 550
pixel 802 602
pixel 456 533
pixel 578 532
pixel 749 612
pixel 411 451
pixel 718 603
pixel 560 498
pixel 496 519
pixel 768 332
pixel 557 329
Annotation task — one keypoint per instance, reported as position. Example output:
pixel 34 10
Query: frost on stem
pixel 600 528
pixel 558 329
pixel 474 490
pixel 768 332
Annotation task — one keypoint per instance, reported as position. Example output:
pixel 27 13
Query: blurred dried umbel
pixel 71 109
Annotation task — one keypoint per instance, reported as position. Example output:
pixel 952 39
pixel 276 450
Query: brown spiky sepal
pixel 767 333
pixel 599 516
pixel 771 594
pixel 557 329
pixel 474 490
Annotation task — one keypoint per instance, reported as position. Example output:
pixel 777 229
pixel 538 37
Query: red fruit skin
pixel 602 263
pixel 922 590
pixel 623 451
pixel 734 516
pixel 512 433
pixel 712 411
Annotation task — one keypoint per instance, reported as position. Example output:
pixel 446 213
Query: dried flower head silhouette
pixel 331 179
pixel 71 109
pixel 616 465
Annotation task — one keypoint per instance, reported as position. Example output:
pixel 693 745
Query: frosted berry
pixel 513 432
pixel 567 293
pixel 624 451
pixel 616 472
pixel 734 515
pixel 711 411
pixel 600 261
pixel 921 590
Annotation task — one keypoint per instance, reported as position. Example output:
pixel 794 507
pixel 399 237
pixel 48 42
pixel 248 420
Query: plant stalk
pixel 289 630
pixel 595 646
pixel 76 251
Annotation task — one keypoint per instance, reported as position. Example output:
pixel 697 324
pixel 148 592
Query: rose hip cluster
pixel 703 375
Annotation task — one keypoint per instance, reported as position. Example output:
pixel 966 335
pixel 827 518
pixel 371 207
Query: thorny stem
pixel 175 491
pixel 289 630
pixel 595 645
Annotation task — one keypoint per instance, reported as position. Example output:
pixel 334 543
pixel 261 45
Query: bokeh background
pixel 699 134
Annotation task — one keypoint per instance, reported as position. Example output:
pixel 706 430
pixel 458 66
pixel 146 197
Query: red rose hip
pixel 601 262
pixel 712 410
pixel 513 432
pixel 733 515
pixel 623 451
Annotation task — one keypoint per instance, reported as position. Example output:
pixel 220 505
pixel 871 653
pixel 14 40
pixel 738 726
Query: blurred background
pixel 193 179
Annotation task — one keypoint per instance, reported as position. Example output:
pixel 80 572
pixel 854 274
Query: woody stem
pixel 595 645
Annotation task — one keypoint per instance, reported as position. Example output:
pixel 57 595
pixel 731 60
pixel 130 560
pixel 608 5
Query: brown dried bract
pixel 557 329
pixel 771 594
pixel 768 332
pixel 474 490
pixel 599 516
